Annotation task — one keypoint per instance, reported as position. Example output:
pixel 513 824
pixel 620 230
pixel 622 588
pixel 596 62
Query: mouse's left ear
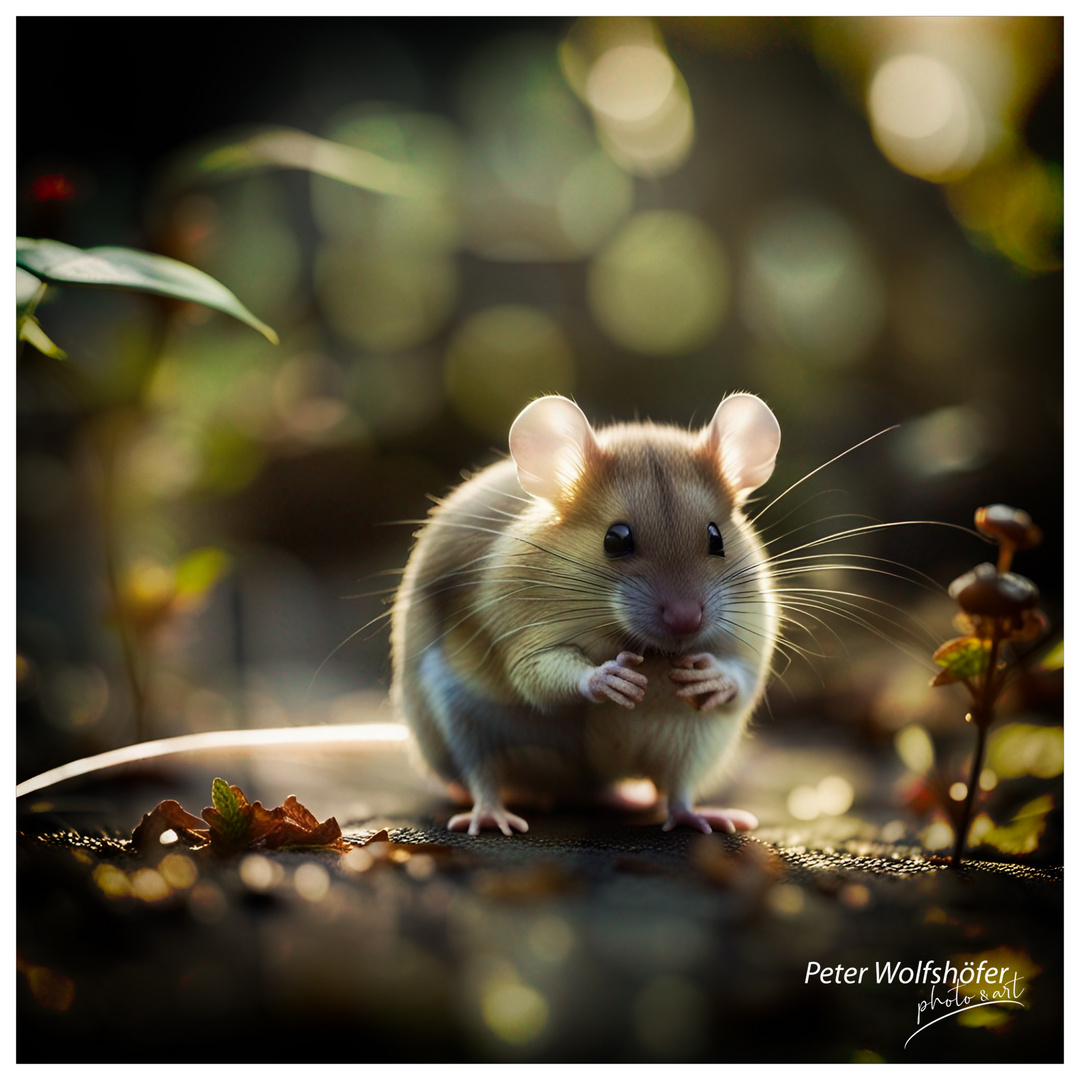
pixel 744 437
pixel 550 442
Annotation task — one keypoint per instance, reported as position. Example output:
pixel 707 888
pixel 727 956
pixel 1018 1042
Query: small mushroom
pixel 1012 529
pixel 985 591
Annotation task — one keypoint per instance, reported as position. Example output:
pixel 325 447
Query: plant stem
pixel 982 715
pixel 969 800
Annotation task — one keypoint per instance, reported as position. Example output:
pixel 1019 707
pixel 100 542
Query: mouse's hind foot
pixel 488 817
pixel 707 818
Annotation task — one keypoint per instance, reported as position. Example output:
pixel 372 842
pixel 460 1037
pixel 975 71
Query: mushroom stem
pixel 1006 550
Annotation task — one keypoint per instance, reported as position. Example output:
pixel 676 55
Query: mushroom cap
pixel 1005 523
pixel 985 591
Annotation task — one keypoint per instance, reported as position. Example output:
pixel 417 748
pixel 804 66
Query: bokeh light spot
pixel 630 82
pixel 835 795
pixel 178 870
pixel 149 885
pixel 501 358
pixel 657 147
pixel 385 301
pixel 51 990
pixel 948 440
pixel 925 117
pixel 915 748
pixel 811 285
pixel 111 880
pixel 1019 749
pixel 803 803
pixel 550 939
pixel 259 873
pixel 515 1012
pixel 593 200
pixel 661 285
pixel 786 900
pixel 937 836
pixel 312 882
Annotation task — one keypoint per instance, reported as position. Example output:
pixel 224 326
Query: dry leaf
pixel 169 815
pixel 233 824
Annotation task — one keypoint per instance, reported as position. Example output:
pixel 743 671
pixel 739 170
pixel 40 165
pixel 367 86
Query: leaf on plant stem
pixel 962 658
pixel 30 330
pixel 125 268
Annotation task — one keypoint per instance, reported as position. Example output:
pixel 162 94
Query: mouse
pixel 593 609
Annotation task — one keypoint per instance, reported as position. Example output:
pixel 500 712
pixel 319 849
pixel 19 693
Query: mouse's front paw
pixel 703 682
pixel 706 818
pixel 616 680
pixel 488 817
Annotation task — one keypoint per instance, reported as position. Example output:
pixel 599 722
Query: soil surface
pixel 596 936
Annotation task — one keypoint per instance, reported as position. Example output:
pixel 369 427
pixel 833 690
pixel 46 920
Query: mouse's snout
pixel 681 617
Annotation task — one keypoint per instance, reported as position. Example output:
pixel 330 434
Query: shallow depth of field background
pixel 858 219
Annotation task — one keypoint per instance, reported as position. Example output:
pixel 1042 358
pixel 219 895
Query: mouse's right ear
pixel 551 442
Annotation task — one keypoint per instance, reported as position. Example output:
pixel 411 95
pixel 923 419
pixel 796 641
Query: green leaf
pixel 27 289
pixel 962 658
pixel 1022 835
pixel 125 268
pixel 1054 660
pixel 289 149
pixel 30 330
pixel 199 571
pixel 227 804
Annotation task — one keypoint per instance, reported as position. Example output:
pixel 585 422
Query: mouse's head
pixel 654 511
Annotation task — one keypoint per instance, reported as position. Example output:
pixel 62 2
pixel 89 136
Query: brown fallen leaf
pixel 233 824
pixel 169 815
pixel 296 826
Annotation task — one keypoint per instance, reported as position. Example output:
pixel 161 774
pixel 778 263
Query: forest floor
pixel 594 937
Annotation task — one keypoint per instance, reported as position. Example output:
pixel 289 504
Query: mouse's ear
pixel 744 436
pixel 550 442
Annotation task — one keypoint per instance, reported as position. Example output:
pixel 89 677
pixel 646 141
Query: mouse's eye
pixel 619 541
pixel 716 541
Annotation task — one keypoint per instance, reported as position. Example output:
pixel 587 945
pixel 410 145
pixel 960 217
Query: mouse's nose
pixel 681 617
